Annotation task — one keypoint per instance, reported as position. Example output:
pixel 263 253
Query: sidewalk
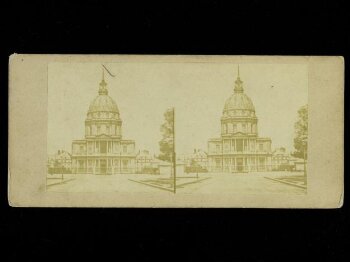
pixel 297 181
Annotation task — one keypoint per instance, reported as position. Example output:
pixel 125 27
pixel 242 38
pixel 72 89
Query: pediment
pixel 239 134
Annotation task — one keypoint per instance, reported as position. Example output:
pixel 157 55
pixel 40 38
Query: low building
pixel 60 162
pixel 145 162
pixel 167 168
pixel 196 162
pixel 298 164
pixel 281 160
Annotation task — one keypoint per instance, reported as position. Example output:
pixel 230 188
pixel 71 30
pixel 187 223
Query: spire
pixel 103 85
pixel 238 84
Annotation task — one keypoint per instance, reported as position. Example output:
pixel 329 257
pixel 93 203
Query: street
pixel 252 183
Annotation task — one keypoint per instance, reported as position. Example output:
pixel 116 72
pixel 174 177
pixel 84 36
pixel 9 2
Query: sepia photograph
pixel 177 127
pixel 176 131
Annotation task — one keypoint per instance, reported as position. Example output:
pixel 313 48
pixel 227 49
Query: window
pixel 124 148
pixel 244 127
pixel 227 145
pixel 125 163
pixel 217 148
pixel 218 162
pixel 81 148
pixel 98 130
pixel 224 128
pixel 234 128
pixel 90 148
pixel 261 147
pixel 261 161
pixel 107 130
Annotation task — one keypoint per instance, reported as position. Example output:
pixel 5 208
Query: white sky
pixel 198 91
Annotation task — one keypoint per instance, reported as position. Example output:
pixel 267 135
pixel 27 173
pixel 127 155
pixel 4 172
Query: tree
pixel 301 133
pixel 166 145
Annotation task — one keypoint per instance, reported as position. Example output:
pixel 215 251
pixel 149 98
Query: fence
pixel 103 171
pixel 251 168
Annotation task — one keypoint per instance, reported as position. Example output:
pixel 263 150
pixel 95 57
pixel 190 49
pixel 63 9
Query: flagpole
pixel 174 154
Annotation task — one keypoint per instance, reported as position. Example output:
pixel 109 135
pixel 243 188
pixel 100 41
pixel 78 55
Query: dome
pixel 103 103
pixel 239 101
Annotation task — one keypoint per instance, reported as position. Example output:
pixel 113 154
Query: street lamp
pixel 305 149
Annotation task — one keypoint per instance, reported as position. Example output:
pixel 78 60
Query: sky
pixel 198 91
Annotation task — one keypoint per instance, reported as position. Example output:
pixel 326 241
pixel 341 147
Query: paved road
pixel 253 183
pixel 245 184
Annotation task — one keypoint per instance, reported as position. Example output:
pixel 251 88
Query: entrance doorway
pixel 103 166
pixel 103 147
pixel 239 164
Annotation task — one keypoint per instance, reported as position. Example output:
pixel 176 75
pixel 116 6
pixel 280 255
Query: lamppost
pixel 120 161
pixel 61 171
pixel 305 173
pixel 174 154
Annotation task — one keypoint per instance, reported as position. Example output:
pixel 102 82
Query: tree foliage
pixel 166 145
pixel 301 133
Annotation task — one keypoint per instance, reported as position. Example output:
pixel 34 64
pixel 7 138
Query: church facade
pixel 103 151
pixel 239 148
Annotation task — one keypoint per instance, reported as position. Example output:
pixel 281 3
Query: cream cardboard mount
pixel 176 131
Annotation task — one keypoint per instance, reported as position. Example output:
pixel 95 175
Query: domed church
pixel 239 149
pixel 103 151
